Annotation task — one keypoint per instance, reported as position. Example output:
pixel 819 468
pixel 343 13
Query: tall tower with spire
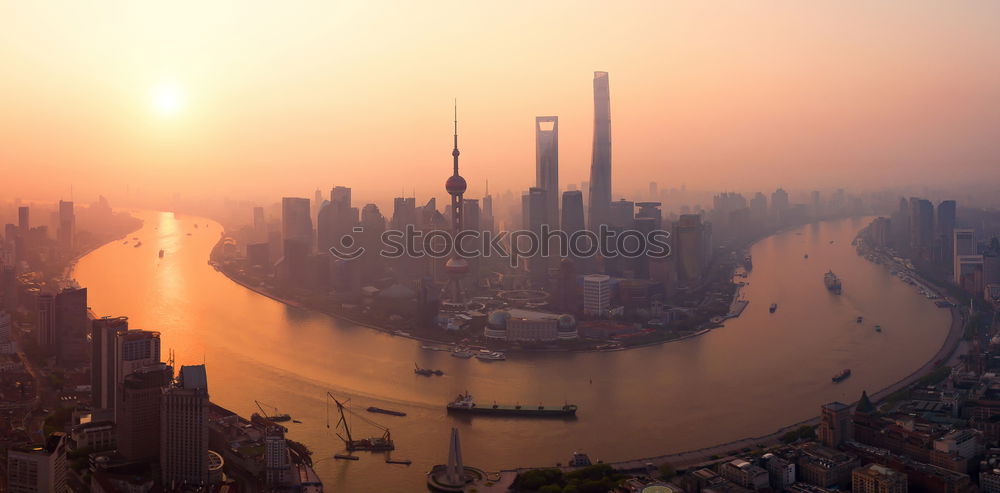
pixel 456 266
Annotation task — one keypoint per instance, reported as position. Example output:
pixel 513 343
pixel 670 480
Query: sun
pixel 167 99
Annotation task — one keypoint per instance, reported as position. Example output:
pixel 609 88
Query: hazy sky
pixel 278 98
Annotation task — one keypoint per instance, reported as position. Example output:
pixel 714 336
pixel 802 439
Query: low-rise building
pixel 744 474
pixel 874 478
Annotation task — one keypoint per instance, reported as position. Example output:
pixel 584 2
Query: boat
pixel 401 333
pixel 137 244
pixel 161 253
pixel 465 404
pixel 427 372
pixel 125 242
pixel 462 354
pixel 878 328
pixel 860 319
pixel 345 457
pixel 405 462
pixel 390 412
pixel 840 377
pixel 805 256
pixel 189 234
pixel 832 282
pixel 774 306
pixel 491 356
pixel 296 421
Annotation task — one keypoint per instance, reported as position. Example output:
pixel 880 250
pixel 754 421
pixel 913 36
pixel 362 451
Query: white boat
pixel 462 354
pixel 491 356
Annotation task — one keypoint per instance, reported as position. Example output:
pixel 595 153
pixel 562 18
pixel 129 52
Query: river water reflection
pixel 756 374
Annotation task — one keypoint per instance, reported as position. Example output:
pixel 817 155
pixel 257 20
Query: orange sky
pixel 278 98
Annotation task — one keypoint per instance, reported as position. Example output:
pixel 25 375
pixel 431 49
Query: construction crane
pixel 374 443
pixel 275 416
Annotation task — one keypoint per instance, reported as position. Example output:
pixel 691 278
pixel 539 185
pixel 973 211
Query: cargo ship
pixel 832 282
pixel 840 377
pixel 390 412
pixel 465 404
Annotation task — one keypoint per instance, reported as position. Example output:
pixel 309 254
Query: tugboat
pixel 832 282
pixel 840 377
pixel 774 306
pixel 426 372
pixel 878 328
pixel 466 405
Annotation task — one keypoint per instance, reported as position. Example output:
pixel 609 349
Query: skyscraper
pixel 456 266
pixel 22 220
pixel 67 225
pixel 921 225
pixel 44 319
pixel 572 212
pixel 295 221
pixel 184 429
pixel 944 228
pixel 779 204
pixel 71 325
pixel 139 405
pixel 259 225
pixel 538 215
pixel 103 363
pixel 547 164
pixel 600 163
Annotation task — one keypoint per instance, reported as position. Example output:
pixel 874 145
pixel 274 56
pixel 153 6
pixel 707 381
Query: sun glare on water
pixel 167 99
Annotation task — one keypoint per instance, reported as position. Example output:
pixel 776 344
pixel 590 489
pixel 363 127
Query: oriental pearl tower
pixel 456 266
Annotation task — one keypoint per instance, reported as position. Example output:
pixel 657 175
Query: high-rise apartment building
pixel 38 469
pixel 139 407
pixel 184 429
pixel 71 325
pixel 103 363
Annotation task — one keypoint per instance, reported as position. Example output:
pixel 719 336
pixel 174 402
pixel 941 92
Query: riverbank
pixel 728 450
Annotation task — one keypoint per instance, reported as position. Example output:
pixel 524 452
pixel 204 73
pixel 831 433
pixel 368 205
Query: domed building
pixel 566 327
pixel 521 325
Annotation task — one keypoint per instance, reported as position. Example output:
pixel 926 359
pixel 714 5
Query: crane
pixel 275 416
pixel 374 443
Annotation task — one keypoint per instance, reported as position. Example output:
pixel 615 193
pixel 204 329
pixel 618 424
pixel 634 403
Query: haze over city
pixel 518 247
pixel 261 97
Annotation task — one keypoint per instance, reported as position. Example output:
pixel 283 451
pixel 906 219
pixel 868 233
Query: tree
pixel 667 471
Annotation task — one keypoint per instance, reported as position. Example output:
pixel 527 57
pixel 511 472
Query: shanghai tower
pixel 600 163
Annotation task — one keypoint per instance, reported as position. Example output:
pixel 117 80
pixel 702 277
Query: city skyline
pixel 773 112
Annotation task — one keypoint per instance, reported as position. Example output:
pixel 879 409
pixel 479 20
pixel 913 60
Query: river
pixel 748 378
